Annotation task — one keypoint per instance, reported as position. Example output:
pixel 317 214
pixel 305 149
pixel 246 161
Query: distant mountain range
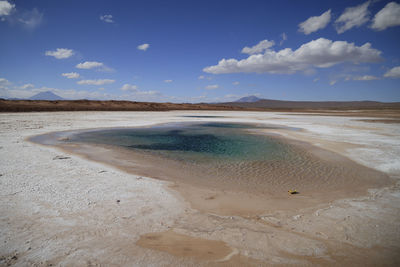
pixel 255 102
pixel 248 102
pixel 48 95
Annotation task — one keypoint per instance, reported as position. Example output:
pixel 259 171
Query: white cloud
pixel 211 87
pixel 27 86
pixel 313 24
pixel 60 53
pixel 235 83
pixel 96 82
pixel 6 8
pixel 393 73
pixel 316 80
pixel 331 83
pixel 389 16
pixel 365 78
pixel 129 87
pixel 89 65
pixel 31 19
pixel 107 18
pixel 71 75
pixel 168 81
pixel 143 47
pixel 352 17
pixel 258 48
pixel 320 53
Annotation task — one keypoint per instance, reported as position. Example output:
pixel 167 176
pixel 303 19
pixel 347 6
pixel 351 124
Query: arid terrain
pixel 60 208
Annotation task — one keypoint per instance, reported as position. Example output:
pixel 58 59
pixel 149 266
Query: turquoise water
pixel 193 142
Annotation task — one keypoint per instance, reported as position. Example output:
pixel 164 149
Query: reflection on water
pixel 196 142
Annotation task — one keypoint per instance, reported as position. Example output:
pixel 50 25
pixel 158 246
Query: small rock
pixel 102 171
pixel 118 201
pixel 61 157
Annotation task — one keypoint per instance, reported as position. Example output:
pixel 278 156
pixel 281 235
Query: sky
pixel 201 51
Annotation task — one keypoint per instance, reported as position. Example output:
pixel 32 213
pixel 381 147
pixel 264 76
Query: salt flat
pixel 62 209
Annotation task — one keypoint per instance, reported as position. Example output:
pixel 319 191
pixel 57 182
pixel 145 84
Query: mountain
pixel 46 96
pixel 282 104
pixel 248 99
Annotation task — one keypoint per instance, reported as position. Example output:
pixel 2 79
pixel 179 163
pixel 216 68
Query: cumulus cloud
pixel 5 9
pixel 389 16
pixel 258 48
pixel 96 82
pixel 320 53
pixel 352 17
pixel 89 65
pixel 168 81
pixel 60 53
pixel 315 23
pixel 129 87
pixel 107 18
pixel 393 73
pixel 211 87
pixel 143 47
pixel 71 75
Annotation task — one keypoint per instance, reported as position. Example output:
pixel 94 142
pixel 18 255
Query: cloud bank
pixel 320 53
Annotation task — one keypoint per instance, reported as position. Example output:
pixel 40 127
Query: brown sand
pixel 186 246
pixel 322 177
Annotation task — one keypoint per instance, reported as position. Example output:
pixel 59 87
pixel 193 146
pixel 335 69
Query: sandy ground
pixel 62 209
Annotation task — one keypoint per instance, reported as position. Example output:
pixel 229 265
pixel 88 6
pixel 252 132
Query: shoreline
pixel 63 211
pixel 210 196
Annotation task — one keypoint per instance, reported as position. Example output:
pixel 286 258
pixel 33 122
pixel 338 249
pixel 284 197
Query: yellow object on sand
pixel 292 192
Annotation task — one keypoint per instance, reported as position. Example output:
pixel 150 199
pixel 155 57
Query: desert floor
pixel 58 208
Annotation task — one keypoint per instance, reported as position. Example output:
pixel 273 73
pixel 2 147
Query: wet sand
pixel 62 209
pixel 246 188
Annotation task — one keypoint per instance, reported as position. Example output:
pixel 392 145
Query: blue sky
pixel 201 51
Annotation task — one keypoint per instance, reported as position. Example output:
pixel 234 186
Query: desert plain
pixel 60 208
